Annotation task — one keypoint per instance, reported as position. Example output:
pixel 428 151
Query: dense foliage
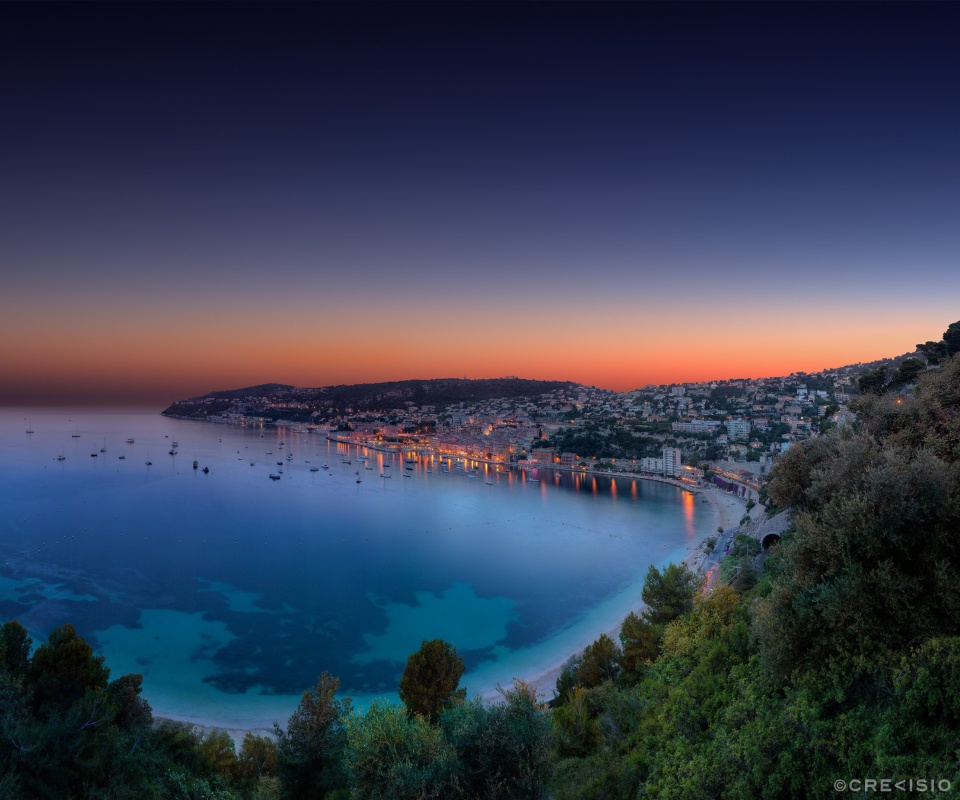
pixel 838 660
pixel 841 663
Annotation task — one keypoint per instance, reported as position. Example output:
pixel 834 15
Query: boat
pixel 175 445
pixel 368 467
pixel 195 464
pixel 489 483
pixel 130 441
pixel 76 435
pixel 93 455
pixel 279 463
pixel 324 466
pixel 29 427
pixel 407 476
pixel 358 480
pixel 409 469
pixel 274 476
pixel 289 456
pixel 61 457
pixel 173 452
pixel 385 476
pixel 314 469
pixel 122 458
pixel 206 470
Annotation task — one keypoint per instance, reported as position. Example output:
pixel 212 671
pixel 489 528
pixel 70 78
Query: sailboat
pixel 148 462
pixel 76 434
pixel 29 427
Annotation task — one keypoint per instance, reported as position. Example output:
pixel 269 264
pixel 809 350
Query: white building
pixel 738 428
pixel 672 463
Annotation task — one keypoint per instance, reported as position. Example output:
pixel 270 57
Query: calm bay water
pixel 231 592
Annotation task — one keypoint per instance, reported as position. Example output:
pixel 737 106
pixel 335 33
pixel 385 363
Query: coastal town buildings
pixel 731 431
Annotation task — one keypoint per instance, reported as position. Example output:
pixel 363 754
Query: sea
pixel 231 591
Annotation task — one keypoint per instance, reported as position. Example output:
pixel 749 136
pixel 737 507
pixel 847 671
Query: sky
pixel 207 196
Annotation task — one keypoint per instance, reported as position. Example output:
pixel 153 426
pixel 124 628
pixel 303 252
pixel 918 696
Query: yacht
pixel 195 464
pixel 130 441
pixel 206 470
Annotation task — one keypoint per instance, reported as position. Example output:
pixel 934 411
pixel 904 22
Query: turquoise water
pixel 231 592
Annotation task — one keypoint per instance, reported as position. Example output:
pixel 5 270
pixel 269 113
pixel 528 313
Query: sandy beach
pixel 728 510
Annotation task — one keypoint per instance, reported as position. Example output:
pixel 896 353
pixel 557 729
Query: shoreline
pixel 728 510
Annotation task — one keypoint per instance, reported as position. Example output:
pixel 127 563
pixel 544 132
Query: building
pixel 738 428
pixel 710 426
pixel 648 464
pixel 672 463
pixel 568 460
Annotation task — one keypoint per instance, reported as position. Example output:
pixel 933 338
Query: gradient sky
pixel 198 197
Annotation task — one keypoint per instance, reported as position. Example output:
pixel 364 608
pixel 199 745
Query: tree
pixel 934 352
pixel 430 679
pixel 874 382
pixel 600 662
pixel 906 373
pixel 310 750
pixel 951 339
pixel 258 756
pixel 62 670
pixel 396 756
pixel 668 594
pixel 504 748
pixel 640 642
pixel 14 649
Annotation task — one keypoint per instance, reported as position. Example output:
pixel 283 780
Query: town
pixel 728 432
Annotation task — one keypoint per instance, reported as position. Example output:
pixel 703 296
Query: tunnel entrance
pixel 769 540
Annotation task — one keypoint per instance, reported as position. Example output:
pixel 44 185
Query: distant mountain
pixel 274 400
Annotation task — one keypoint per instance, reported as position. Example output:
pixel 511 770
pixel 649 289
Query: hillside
pixel 274 400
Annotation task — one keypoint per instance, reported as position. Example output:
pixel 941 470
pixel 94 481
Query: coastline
pixel 728 510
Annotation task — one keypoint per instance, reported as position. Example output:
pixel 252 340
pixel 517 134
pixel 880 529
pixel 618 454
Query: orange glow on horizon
pixel 142 358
